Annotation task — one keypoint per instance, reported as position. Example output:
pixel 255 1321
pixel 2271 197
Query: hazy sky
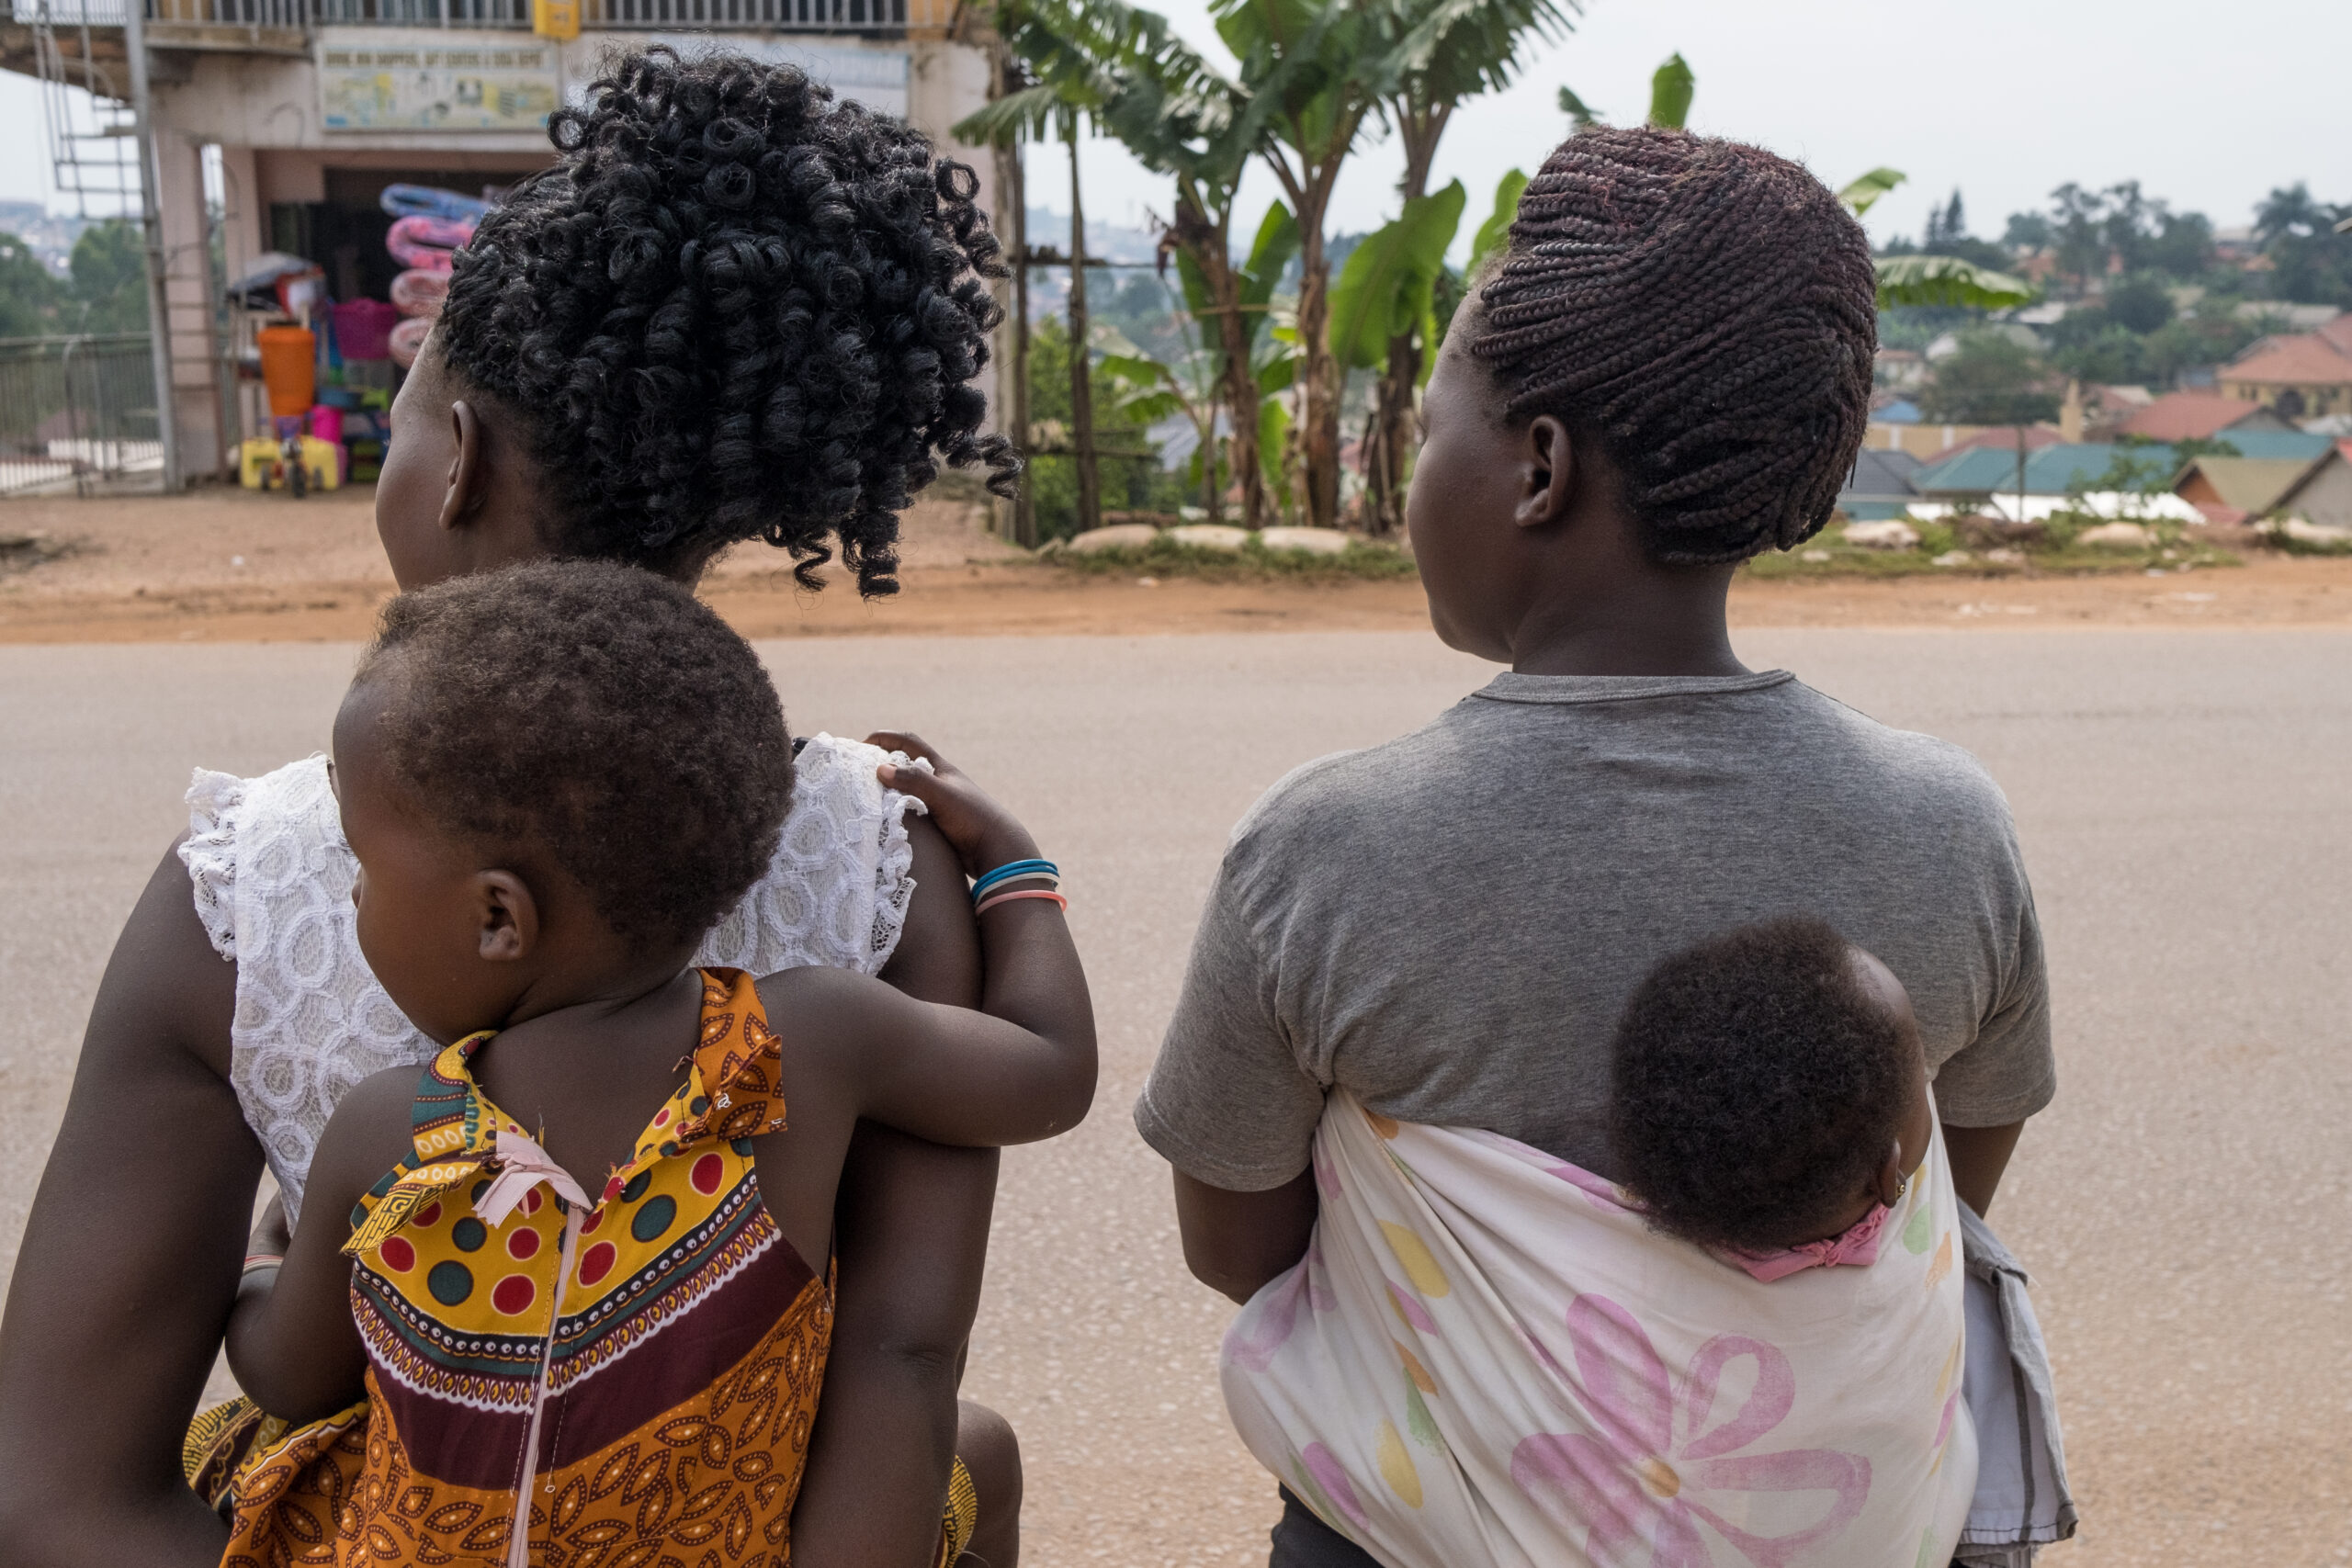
pixel 2210 106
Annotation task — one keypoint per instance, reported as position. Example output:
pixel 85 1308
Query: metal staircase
pixel 91 127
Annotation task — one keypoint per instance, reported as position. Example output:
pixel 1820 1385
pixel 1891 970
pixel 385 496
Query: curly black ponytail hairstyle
pixel 1710 312
pixel 734 310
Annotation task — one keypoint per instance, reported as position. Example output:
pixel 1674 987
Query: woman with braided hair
pixel 733 309
pixel 1393 1049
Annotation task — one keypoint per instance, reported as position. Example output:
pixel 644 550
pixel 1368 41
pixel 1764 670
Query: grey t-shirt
pixel 1449 924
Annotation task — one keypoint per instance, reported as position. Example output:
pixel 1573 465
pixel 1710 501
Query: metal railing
pixel 74 410
pixel 244 14
pixel 789 16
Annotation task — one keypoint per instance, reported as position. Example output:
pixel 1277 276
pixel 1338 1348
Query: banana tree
pixel 1149 390
pixel 1183 117
pixel 1312 72
pixel 1236 300
pixel 1385 298
pixel 1445 52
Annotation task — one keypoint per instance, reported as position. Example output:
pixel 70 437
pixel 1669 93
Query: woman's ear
pixel 1548 473
pixel 508 917
pixel 469 483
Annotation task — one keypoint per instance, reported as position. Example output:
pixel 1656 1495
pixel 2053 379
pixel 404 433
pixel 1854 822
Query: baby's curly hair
pixel 733 309
pixel 1756 1084
pixel 601 712
pixel 1710 311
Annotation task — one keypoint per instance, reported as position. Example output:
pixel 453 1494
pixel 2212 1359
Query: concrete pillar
pixel 946 80
pixel 195 400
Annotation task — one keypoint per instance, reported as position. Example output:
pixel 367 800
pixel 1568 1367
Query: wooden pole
pixel 1081 386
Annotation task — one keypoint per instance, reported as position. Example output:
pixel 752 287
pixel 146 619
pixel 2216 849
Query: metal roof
pixel 2053 470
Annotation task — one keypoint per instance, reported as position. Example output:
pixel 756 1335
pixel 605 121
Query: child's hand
pixel 985 835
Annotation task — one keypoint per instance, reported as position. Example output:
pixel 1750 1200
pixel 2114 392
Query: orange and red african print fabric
pixel 639 1375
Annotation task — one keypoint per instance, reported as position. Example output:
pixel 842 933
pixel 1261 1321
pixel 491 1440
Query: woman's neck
pixel 1651 623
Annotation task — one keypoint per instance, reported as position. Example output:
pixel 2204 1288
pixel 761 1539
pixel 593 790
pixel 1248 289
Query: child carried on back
pixel 570 1292
pixel 1746 1350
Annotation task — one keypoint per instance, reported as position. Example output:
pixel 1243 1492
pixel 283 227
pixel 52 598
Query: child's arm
pixel 291 1340
pixel 1021 1069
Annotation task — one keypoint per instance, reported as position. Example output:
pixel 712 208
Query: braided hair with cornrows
pixel 1707 310
pixel 733 309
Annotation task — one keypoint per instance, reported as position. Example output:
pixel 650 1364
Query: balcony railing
pixel 651 15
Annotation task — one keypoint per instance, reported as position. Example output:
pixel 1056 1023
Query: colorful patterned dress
pixel 644 1372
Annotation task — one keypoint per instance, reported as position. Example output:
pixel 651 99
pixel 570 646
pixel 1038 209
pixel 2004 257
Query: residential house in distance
pixel 2324 494
pixel 2198 416
pixel 2058 478
pixel 1900 369
pixel 2240 489
pixel 2234 490
pixel 1878 487
pixel 2306 376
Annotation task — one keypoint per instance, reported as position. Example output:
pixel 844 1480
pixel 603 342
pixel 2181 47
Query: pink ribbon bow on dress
pixel 523 1165
pixel 1857 1246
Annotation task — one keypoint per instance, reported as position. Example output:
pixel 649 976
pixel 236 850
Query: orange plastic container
pixel 290 368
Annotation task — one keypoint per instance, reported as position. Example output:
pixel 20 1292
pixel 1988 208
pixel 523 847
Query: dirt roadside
pixel 231 567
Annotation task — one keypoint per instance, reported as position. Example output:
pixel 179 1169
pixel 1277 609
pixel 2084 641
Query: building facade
pixel 276 124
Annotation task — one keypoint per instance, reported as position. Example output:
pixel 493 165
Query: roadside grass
pixel 1361 561
pixel 2055 555
pixel 1846 561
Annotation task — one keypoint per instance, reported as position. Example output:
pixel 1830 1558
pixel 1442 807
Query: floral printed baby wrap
pixel 1488 1357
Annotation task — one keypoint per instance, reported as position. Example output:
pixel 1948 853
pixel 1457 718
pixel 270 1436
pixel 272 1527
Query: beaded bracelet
pixel 995 898
pixel 262 1260
pixel 1015 871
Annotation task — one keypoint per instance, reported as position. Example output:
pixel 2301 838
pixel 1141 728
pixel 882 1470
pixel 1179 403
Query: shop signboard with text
pixel 400 80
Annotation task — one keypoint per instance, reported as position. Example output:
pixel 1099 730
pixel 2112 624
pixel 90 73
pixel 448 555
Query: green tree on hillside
pixel 109 279
pixel 1991 378
pixel 28 294
pixel 2312 263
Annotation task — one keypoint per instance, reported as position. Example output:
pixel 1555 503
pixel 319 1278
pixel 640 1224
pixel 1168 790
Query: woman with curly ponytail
pixel 733 309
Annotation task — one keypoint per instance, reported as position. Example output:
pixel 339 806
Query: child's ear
pixel 508 916
pixel 1549 466
pixel 1892 1178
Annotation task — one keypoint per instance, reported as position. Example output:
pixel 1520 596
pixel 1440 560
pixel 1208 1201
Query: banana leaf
pixel 1273 426
pixel 1495 232
pixel 1671 93
pixel 1384 290
pixel 1947 280
pixel 1269 253
pixel 1860 193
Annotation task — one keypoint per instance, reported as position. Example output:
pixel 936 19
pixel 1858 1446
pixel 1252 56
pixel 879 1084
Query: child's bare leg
pixel 985 1442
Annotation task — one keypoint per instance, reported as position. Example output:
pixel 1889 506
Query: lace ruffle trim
pixel 209 853
pixel 894 888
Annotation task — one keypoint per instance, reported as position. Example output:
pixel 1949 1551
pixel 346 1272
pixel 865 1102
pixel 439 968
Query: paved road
pixel 2186 814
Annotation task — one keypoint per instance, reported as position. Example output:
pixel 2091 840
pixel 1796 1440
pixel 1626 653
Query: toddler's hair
pixel 1757 1083
pixel 600 712
pixel 1710 311
pixel 733 309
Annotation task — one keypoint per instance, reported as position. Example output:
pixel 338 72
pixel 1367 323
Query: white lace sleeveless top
pixel 273 882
